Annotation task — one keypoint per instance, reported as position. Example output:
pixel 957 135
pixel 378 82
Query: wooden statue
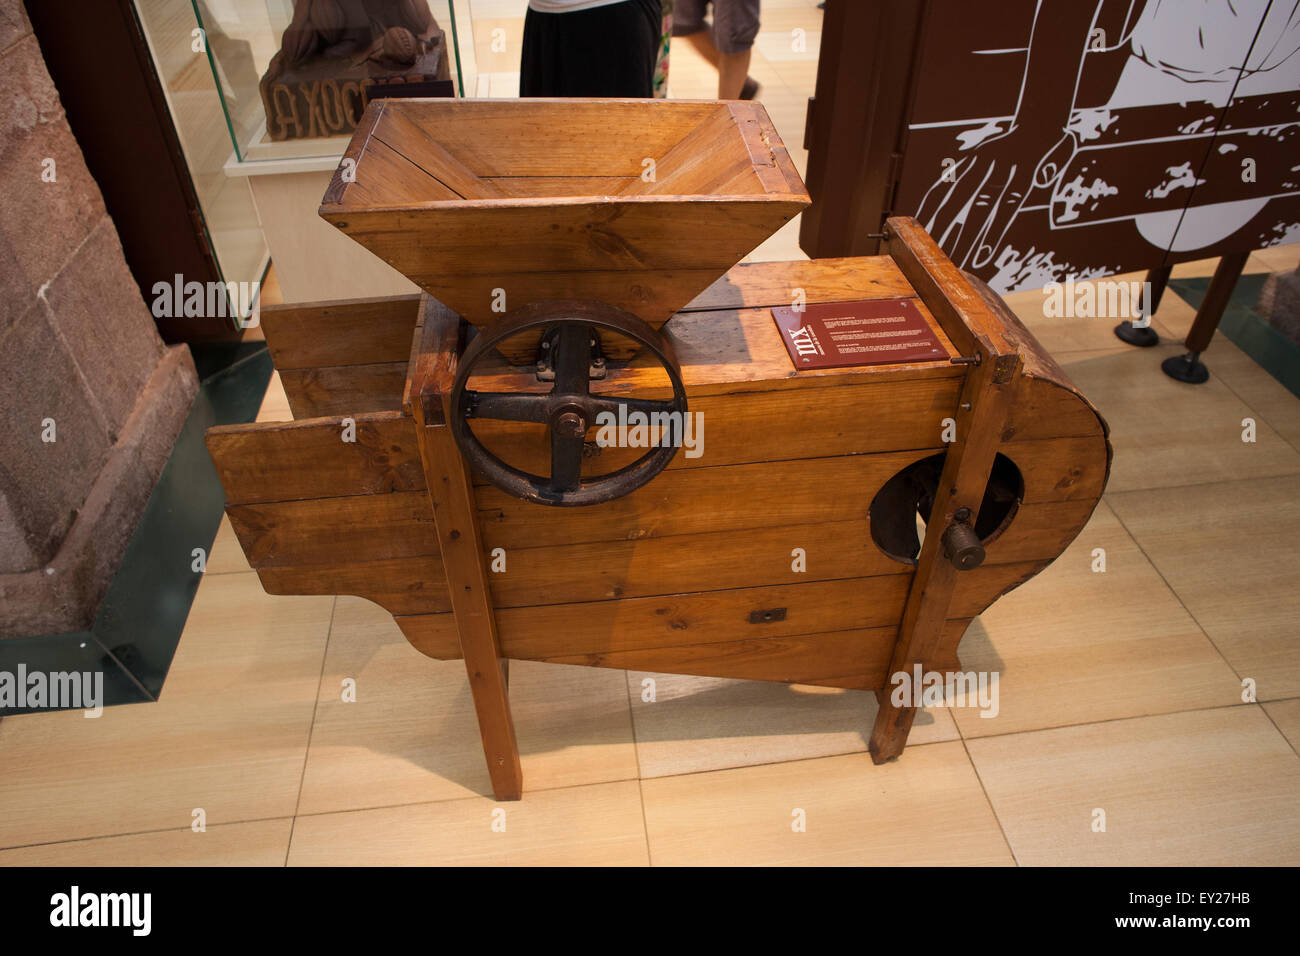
pixel 335 53
pixel 578 260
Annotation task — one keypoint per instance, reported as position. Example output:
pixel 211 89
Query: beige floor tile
pixel 925 809
pixel 1231 552
pixel 704 723
pixel 229 734
pixel 1168 433
pixel 412 736
pixel 1275 259
pixel 226 555
pixel 1269 400
pixel 261 843
pixel 599 825
pixel 1208 787
pixel 784 46
pixel 1206 267
pixel 275 404
pixel 798 73
pixel 1074 646
pixel 1285 714
pixel 780 19
pixel 1061 334
pixel 1234 368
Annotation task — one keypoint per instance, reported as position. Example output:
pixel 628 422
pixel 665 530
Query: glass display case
pixel 258 192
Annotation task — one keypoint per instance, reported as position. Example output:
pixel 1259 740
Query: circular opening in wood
pixel 901 508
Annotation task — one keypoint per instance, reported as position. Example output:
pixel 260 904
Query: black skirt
pixel 604 51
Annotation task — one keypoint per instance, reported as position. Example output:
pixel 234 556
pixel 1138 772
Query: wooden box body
pixel 676 576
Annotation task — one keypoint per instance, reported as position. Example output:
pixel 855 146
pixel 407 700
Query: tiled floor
pixel 1121 692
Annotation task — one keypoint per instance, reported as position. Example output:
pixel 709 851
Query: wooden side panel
pixel 743 557
pixel 292 461
pixel 344 389
pixel 343 332
pixel 600 628
pixel 743 427
pixel 334 530
pixel 700 164
pixel 854 658
pixel 408 585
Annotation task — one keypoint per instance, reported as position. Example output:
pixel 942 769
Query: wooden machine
pixel 578 261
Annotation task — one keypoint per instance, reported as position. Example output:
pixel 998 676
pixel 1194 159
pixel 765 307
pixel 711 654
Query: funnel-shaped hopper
pixel 637 203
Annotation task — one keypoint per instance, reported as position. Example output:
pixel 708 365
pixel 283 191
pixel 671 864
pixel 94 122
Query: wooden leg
pixel 985 400
pixel 1158 278
pixel 1188 368
pixel 452 495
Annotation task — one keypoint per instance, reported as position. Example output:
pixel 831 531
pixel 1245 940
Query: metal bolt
pixel 571 424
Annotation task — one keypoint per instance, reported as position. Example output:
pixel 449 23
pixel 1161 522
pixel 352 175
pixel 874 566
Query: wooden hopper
pixel 640 204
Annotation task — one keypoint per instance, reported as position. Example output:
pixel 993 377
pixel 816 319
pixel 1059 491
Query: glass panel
pixel 243 36
pixel 198 113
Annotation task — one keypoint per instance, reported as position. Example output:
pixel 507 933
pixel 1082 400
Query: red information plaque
pixel 869 332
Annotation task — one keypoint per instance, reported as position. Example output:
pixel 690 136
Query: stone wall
pixel 91 399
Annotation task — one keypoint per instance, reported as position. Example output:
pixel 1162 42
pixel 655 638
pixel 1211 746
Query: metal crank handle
pixel 961 546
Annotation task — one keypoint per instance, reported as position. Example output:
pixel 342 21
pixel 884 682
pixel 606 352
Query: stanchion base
pixel 1141 337
pixel 1186 368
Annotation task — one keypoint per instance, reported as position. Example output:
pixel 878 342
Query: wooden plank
pixel 336 193
pixel 704 162
pixel 745 427
pixel 540 633
pixel 748 557
pixel 696 500
pixel 768 284
pixel 768 494
pixel 406 585
pixel 795 659
pixel 347 390
pixel 463 559
pixel 562 186
pixel 729 351
pixel 556 248
pixel 770 163
pixel 538 137
pixel 286 461
pixel 433 635
pixel 639 291
pixel 962 312
pixel 401 133
pixel 331 530
pixel 307 561
pixel 388 172
pixel 340 332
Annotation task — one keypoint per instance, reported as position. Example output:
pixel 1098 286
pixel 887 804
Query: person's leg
pixel 735 25
pixel 733 70
pixel 702 40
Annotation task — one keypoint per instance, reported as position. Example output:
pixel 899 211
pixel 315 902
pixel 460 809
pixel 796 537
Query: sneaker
pixel 750 89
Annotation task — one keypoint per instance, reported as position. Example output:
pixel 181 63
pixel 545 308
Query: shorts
pixel 735 22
